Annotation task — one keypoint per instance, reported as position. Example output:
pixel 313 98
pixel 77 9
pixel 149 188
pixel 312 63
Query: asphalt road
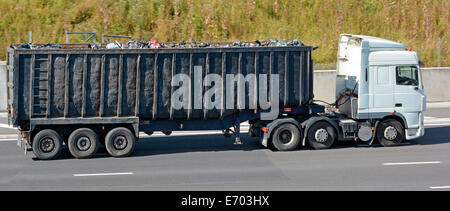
pixel 211 162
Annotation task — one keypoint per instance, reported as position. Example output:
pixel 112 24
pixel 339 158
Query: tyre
pixel 390 132
pixel 286 137
pixel 120 142
pixel 47 144
pixel 321 135
pixel 167 132
pixel 83 143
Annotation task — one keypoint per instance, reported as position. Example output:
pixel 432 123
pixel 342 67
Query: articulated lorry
pixel 83 97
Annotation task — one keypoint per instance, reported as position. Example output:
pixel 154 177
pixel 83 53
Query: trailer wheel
pixel 83 143
pixel 286 137
pixel 321 135
pixel 390 133
pixel 167 132
pixel 47 144
pixel 120 142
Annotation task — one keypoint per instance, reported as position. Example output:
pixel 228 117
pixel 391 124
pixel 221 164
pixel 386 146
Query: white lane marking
pixel 174 133
pixel 8 136
pixel 431 119
pixel 378 145
pixel 412 163
pixel 440 187
pixel 436 121
pixel 441 124
pixel 103 174
pixel 6 126
pixel 5 140
pixel 183 133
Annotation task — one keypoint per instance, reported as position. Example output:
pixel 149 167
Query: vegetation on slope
pixel 416 23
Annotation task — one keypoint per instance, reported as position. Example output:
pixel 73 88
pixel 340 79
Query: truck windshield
pixel 407 75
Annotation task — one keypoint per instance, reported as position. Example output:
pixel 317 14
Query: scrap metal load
pixel 153 43
pixel 192 44
pixel 136 80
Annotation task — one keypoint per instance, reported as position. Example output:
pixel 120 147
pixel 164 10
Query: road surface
pixel 208 161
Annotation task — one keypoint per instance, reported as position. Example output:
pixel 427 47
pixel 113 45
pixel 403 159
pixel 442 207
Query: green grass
pixel 416 23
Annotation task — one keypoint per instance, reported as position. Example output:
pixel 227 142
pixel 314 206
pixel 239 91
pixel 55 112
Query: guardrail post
pixel 30 37
pixel 439 52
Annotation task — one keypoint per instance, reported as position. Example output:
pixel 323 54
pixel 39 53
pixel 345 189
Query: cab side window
pixel 407 75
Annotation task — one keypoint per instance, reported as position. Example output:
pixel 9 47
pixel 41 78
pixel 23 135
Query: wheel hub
pixel 83 143
pixel 321 135
pixel 120 143
pixel 390 133
pixel 285 136
pixel 47 144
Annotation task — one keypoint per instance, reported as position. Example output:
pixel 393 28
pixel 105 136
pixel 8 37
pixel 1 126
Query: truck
pixel 83 97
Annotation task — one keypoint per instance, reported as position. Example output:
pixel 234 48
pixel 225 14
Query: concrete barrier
pixel 436 84
pixel 325 85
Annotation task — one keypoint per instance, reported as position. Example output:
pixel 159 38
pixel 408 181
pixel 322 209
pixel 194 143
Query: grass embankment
pixel 416 23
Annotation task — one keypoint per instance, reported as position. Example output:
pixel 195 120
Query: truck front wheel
pixel 390 133
pixel 47 144
pixel 83 143
pixel 120 142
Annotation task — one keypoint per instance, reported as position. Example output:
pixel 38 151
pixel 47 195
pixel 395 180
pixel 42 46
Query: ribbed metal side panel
pixel 131 83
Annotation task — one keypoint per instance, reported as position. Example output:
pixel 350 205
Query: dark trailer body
pixel 124 91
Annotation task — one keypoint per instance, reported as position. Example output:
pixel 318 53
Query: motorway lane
pixel 212 162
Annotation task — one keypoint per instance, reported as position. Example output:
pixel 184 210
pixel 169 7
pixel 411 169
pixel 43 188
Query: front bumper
pixel 414 133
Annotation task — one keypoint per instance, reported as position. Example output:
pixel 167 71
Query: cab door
pixel 409 95
pixel 381 99
pixel 408 90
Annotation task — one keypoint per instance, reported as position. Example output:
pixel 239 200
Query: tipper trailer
pixel 83 97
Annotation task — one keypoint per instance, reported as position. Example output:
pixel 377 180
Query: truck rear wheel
pixel 47 144
pixel 286 137
pixel 321 135
pixel 83 143
pixel 390 133
pixel 120 142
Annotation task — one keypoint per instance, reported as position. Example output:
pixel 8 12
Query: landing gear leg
pixel 237 139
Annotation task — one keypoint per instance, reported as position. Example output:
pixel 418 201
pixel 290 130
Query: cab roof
pixel 393 58
pixel 375 43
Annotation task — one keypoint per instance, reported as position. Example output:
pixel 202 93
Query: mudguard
pixel 309 122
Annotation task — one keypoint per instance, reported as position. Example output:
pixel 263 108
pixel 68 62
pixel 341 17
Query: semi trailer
pixel 84 97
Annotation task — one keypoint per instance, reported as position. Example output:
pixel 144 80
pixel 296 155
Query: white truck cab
pixel 386 84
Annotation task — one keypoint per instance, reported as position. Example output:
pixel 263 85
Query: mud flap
pixel 21 143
